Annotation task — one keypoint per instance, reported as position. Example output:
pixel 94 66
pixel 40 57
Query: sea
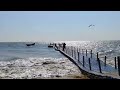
pixel 18 50
pixel 15 54
pixel 108 48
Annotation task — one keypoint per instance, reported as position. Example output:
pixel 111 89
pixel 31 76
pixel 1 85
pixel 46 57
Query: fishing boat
pixel 50 45
pixel 30 44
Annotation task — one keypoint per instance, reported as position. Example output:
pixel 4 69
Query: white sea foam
pixel 36 68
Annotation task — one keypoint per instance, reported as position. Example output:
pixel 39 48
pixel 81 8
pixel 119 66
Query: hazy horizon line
pixel 60 41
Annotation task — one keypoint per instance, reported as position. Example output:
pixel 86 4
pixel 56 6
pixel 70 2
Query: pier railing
pixel 92 61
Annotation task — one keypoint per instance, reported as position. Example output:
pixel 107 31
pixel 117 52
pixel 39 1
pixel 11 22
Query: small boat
pixel 30 44
pixel 50 46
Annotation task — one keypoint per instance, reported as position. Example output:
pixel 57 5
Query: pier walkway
pixel 90 62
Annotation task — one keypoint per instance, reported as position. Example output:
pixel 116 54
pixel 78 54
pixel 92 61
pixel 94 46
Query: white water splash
pixel 37 68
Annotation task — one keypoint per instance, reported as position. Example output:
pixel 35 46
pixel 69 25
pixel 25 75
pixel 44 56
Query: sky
pixel 24 26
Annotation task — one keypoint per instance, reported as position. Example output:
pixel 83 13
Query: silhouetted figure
pixel 56 46
pixel 64 46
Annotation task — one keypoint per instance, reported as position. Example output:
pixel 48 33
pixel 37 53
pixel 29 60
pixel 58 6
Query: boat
pixel 30 44
pixel 50 46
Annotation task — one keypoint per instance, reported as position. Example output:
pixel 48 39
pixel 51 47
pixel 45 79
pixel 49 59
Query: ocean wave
pixel 109 51
pixel 27 61
pixel 36 68
pixel 106 52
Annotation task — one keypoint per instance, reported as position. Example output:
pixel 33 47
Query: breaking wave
pixel 36 68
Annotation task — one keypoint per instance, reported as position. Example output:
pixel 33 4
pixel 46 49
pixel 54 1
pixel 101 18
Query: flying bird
pixel 91 25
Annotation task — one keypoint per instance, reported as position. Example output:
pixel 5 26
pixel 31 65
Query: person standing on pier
pixel 64 46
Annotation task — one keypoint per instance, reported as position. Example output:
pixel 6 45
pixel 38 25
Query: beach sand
pixel 47 68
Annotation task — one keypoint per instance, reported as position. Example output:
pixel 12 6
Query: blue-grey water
pixel 16 50
pixel 110 48
pixel 20 61
pixel 17 55
pixel 19 50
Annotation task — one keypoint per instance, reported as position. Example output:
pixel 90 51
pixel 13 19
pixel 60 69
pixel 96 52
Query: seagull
pixel 91 25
